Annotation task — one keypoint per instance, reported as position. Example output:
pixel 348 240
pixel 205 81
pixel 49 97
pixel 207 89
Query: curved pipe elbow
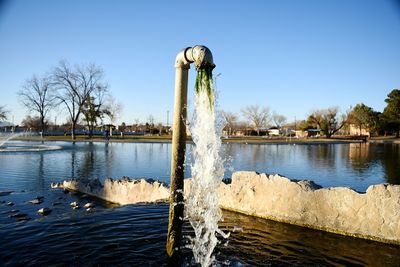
pixel 181 60
pixel 199 54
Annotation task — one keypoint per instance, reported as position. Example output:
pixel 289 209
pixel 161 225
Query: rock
pixel 5 193
pixel 44 211
pixel 89 205
pixel 36 200
pixel 56 185
pixel 74 205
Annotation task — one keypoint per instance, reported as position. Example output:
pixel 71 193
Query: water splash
pixel 6 145
pixel 6 138
pixel 202 208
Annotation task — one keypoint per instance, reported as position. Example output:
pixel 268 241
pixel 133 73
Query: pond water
pixel 355 165
pixel 135 234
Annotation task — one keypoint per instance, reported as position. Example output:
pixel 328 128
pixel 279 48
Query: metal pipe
pixel 202 57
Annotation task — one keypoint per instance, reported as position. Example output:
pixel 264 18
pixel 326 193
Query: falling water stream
pixel 202 208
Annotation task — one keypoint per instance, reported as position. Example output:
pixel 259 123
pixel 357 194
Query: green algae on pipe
pixel 204 80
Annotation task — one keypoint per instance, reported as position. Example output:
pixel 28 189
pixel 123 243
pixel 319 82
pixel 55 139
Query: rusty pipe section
pixel 200 55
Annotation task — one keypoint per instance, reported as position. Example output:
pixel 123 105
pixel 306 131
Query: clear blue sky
pixel 292 56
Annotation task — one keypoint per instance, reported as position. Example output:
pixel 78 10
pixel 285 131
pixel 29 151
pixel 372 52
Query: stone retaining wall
pixel 123 191
pixel 372 215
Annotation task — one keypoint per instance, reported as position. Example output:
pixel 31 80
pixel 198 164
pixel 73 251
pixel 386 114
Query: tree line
pixel 79 89
pixel 329 121
pixel 82 91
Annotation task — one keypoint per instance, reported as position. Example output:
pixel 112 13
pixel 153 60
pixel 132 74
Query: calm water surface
pixel 134 235
pixel 353 165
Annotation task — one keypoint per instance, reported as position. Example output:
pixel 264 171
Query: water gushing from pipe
pixel 202 209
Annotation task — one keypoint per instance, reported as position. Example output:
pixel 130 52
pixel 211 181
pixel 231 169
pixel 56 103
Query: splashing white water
pixel 202 208
pixel 6 138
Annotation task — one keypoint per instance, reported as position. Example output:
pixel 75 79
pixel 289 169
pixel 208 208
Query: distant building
pixel 301 134
pixel 240 132
pixel 313 132
pixel 6 126
pixel 355 130
pixel 273 131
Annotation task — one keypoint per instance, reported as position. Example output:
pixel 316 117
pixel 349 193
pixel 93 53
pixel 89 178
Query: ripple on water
pixel 135 235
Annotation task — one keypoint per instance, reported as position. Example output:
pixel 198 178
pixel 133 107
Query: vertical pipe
pixel 177 165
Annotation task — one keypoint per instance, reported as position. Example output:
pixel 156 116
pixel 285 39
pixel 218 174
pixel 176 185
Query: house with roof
pixel 6 126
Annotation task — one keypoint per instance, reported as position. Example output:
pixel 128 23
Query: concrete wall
pixel 123 191
pixel 372 215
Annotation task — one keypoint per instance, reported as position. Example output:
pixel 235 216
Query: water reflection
pixel 365 157
pixel 87 165
pixel 353 165
pixel 259 242
pixel 390 161
pixel 41 174
pixel 321 155
pixel 134 235
pixel 127 233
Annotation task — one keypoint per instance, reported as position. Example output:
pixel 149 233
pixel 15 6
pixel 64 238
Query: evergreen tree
pixel 363 117
pixel 391 113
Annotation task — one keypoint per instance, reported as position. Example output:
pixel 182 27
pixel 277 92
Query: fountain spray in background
pixel 202 205
pixel 202 209
pixel 6 138
pixel 7 145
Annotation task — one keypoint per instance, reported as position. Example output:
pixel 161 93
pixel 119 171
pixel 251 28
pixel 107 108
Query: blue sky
pixel 291 56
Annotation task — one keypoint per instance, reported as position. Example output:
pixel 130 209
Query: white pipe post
pixel 202 57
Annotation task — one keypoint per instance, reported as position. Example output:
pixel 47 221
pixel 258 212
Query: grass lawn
pixel 167 138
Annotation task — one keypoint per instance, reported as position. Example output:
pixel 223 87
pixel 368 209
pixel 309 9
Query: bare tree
pixel 33 123
pixel 150 122
pixel 230 119
pixel 257 117
pixel 112 108
pixel 36 95
pixel 137 121
pixel 3 113
pixel 75 86
pixel 278 120
pixel 328 120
